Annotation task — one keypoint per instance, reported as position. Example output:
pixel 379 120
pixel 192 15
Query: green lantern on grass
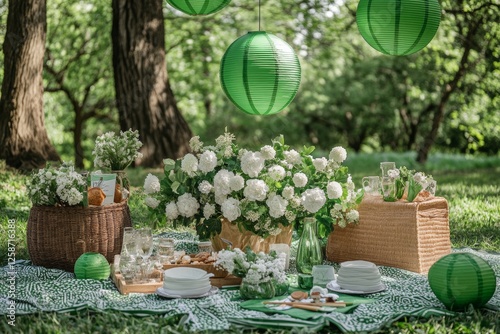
pixel 462 279
pixel 260 73
pixel 92 265
pixel 199 7
pixel 398 27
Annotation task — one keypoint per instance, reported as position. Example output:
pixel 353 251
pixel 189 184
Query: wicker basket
pixel 241 239
pixel 405 235
pixel 57 236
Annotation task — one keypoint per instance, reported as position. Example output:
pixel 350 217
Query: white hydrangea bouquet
pixel 116 152
pixel 255 268
pixel 57 187
pixel 261 191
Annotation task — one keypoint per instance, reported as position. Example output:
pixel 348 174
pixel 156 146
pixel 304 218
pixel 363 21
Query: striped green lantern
pixel 398 27
pixel 92 265
pixel 462 279
pixel 198 7
pixel 260 73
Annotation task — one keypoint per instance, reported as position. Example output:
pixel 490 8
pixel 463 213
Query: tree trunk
pixel 448 90
pixel 144 97
pixel 24 142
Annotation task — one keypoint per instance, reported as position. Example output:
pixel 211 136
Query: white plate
pixel 359 264
pixel 186 291
pixel 185 273
pixel 335 287
pixel 161 292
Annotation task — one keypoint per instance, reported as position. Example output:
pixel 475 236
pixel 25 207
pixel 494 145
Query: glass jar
pixel 263 290
pixel 309 250
pixel 281 288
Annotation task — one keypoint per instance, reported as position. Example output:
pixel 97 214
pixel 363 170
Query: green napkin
pixel 257 305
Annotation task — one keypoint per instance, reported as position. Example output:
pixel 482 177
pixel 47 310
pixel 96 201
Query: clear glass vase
pixel 309 250
pixel 280 288
pixel 123 182
pixel 263 290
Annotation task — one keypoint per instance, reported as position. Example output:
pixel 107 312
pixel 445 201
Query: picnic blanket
pixel 39 289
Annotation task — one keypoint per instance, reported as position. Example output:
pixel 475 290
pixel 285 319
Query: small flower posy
pixel 261 191
pixel 411 181
pixel 63 186
pixel 117 152
pixel 256 268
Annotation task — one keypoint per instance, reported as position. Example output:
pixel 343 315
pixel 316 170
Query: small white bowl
pixel 185 273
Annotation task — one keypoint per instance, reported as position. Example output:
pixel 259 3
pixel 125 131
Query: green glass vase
pixel 309 250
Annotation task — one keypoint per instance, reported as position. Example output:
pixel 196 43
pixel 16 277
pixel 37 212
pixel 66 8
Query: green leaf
pixel 308 149
pixel 175 186
pixel 169 164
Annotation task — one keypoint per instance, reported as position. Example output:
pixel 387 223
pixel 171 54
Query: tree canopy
pixel 443 97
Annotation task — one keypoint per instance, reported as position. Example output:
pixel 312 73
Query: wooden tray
pixel 125 288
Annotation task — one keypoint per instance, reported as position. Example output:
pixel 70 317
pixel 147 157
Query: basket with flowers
pixel 259 194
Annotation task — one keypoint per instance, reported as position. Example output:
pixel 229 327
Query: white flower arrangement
pixel 256 268
pixel 52 187
pixel 116 152
pixel 261 190
pixel 411 181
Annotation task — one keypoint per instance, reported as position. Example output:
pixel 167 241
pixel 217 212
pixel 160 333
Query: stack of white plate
pixel 359 276
pixel 186 282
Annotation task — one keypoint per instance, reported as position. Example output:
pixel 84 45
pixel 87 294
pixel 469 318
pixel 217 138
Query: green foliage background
pixel 350 94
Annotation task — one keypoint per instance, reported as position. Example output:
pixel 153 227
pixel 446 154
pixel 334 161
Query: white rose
pixel 171 211
pixel 208 210
pixel 277 173
pixel 151 184
pixel 393 173
pixel 189 164
pixel 292 157
pixel 338 154
pixel 236 183
pixel 151 202
pixel 334 190
pixel 268 152
pixel 231 209
pixel 320 164
pixel 187 205
pixel 221 182
pixel 252 163
pixel 419 177
pixel 255 190
pixel 288 192
pixel 208 161
pixel 352 216
pixel 300 180
pixel 277 205
pixel 313 199
pixel 205 187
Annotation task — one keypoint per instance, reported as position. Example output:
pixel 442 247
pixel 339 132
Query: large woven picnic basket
pixel 407 235
pixel 57 236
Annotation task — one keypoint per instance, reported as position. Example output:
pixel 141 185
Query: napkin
pixel 257 305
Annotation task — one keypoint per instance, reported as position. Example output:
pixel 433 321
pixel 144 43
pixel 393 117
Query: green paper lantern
pixel 398 27
pixel 92 265
pixel 198 7
pixel 462 279
pixel 260 73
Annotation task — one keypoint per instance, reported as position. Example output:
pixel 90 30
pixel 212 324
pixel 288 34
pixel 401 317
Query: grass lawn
pixel 471 185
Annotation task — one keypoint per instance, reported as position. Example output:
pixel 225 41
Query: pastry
pixel 96 196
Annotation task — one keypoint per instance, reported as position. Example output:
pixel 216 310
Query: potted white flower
pixel 244 196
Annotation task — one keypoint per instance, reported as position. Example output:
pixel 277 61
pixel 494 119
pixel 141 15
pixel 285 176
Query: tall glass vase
pixel 309 250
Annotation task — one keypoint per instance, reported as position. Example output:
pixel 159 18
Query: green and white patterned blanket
pixel 38 289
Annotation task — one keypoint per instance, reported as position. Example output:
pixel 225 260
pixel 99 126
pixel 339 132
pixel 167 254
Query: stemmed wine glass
pixel 145 243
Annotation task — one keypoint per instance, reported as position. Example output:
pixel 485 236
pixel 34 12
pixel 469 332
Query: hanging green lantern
pixel 462 279
pixel 260 73
pixel 398 27
pixel 92 265
pixel 199 7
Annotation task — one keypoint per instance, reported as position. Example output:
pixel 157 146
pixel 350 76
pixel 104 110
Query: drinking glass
pixel 431 187
pixel 128 268
pixel 145 248
pixel 386 167
pixel 371 185
pixel 130 242
pixel 165 249
pixel 389 189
